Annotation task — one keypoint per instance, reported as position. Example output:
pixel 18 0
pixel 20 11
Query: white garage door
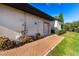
pixel 46 28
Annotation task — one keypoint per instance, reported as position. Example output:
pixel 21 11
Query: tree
pixel 61 16
pixel 74 26
pixel 61 19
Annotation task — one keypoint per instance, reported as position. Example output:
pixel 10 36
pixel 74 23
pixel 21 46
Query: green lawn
pixel 68 47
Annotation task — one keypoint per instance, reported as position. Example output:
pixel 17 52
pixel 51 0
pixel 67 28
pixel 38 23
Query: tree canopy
pixel 60 17
pixel 74 26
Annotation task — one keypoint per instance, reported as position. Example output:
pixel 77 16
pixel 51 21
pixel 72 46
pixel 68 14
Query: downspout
pixel 24 32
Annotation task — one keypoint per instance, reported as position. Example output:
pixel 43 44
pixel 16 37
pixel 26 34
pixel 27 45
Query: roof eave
pixel 30 9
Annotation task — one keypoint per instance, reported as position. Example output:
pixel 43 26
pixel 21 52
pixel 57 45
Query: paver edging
pixel 53 47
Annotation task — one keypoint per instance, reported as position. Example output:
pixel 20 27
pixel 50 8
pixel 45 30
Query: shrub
pixel 38 36
pixel 14 43
pixel 25 39
pixel 59 32
pixel 76 30
pixel 5 43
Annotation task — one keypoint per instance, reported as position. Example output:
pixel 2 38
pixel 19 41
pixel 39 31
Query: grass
pixel 68 47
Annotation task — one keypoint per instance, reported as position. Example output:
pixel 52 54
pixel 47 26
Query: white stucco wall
pixel 8 33
pixel 13 19
pixel 57 25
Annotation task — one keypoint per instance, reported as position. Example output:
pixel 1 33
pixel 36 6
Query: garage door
pixel 46 28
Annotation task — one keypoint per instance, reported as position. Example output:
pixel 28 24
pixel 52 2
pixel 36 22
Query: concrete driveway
pixel 37 48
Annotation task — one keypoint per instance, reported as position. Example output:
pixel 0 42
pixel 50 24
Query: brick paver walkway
pixel 37 48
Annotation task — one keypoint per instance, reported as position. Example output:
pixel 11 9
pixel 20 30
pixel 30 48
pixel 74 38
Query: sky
pixel 70 10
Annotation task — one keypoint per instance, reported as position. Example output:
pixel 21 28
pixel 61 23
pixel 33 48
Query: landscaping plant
pixel 25 39
pixel 5 43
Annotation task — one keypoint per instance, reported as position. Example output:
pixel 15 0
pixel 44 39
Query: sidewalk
pixel 37 48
